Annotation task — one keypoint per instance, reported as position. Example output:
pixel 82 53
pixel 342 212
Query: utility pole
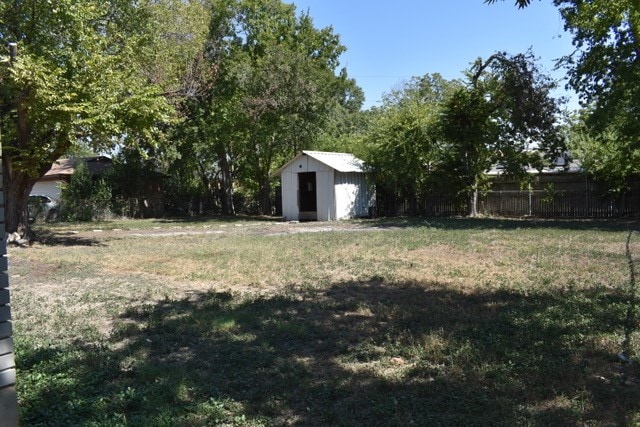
pixel 8 397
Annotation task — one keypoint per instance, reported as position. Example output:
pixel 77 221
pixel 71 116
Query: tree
pixel 605 71
pixel 274 87
pixel 402 142
pixel 78 78
pixel 84 198
pixel 520 3
pixel 503 115
pixel 609 157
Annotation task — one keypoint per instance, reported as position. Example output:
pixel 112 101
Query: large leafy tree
pixel 503 115
pixel 402 142
pixel 79 77
pixel 275 86
pixel 605 71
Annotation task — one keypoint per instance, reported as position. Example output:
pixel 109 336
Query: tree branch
pixel 520 3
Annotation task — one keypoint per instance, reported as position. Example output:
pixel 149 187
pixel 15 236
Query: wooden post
pixel 8 397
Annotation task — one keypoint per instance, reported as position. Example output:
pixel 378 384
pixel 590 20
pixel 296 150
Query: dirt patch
pixel 68 237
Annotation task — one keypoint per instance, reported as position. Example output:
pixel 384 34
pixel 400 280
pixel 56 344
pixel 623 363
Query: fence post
pixel 8 397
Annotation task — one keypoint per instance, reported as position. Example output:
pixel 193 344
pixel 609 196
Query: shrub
pixel 85 198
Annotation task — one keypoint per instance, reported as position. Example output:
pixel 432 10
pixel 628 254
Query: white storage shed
pixel 324 186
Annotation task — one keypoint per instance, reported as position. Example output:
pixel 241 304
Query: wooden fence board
pixel 549 196
pixel 6 346
pixel 6 329
pixel 8 376
pixel 3 264
pixel 8 407
pixel 4 296
pixel 5 313
pixel 4 280
pixel 7 362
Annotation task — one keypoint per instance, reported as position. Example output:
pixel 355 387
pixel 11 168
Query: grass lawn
pixel 251 322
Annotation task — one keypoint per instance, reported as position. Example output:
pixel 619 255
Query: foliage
pixel 402 141
pixel 520 3
pixel 88 73
pixel 85 198
pixel 504 115
pixel 437 136
pixel 273 89
pixel 609 157
pixel 605 71
pixel 176 33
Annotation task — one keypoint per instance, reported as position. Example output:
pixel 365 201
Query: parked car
pixel 41 207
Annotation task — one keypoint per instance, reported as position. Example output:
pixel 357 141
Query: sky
pixel 388 42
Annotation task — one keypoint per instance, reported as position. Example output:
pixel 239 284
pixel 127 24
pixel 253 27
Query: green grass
pixel 403 322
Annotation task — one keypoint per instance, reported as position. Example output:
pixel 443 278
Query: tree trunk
pixel 17 182
pixel 265 196
pixel 226 198
pixel 264 174
pixel 17 187
pixel 473 200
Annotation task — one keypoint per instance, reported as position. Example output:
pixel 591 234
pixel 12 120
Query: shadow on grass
pixel 357 353
pixel 218 218
pixel 51 237
pixel 464 223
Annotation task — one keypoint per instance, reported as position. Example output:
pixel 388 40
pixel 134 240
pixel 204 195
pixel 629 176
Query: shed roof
pixel 342 162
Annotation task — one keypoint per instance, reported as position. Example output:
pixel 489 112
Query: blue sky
pixel 390 41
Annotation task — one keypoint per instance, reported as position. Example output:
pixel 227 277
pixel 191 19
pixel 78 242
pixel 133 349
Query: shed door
pixel 307 189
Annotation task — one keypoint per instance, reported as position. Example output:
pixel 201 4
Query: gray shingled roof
pixel 342 162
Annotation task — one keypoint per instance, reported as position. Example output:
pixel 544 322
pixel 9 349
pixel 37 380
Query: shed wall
pixel 324 188
pixel 326 197
pixel 289 185
pixel 353 195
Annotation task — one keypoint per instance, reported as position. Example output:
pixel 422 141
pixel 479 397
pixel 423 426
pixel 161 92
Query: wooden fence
pixel 565 204
pixel 8 398
pixel 550 196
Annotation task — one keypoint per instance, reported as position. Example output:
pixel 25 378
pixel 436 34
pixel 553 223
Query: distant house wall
pixel 47 188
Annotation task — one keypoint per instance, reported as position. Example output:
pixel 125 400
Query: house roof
pixel 63 168
pixel 342 162
pixel 560 165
